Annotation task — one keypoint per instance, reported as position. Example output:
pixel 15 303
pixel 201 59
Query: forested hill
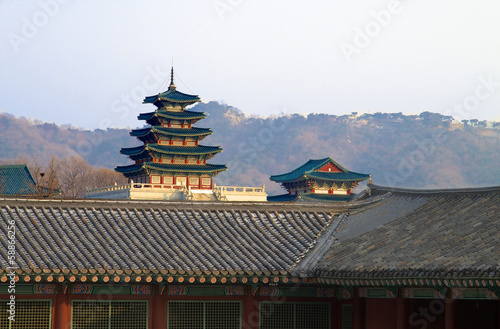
pixel 424 151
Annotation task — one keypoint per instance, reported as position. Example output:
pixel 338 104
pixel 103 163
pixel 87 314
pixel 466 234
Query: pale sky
pixel 90 63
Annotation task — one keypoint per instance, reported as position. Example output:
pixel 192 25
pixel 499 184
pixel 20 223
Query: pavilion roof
pixel 16 180
pixel 171 131
pixel 172 95
pixel 184 115
pixel 310 170
pixel 167 167
pixel 173 150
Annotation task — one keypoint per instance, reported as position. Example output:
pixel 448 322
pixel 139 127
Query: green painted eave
pixel 172 95
pixel 349 176
pixel 172 150
pixel 184 115
pixel 177 168
pixel 183 132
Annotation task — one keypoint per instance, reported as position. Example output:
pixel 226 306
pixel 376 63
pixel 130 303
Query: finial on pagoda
pixel 172 86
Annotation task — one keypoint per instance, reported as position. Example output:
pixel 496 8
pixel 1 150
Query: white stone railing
pixel 225 193
pixel 107 189
pixel 222 193
pixel 132 186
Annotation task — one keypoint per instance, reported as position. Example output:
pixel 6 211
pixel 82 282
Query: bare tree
pixel 74 175
pixel 69 177
pixel 102 177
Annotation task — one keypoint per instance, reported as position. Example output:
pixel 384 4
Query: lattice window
pixel 294 315
pixel 109 314
pixel 204 315
pixel 346 316
pixel 30 314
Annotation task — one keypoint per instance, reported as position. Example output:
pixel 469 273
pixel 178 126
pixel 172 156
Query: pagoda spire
pixel 172 86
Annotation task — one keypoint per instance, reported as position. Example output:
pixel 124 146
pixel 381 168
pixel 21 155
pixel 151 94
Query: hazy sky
pixel 90 63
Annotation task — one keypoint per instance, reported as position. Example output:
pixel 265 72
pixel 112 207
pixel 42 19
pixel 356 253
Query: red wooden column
pixel 159 310
pixel 358 312
pixel 450 313
pixel 250 310
pixel 62 310
pixel 401 312
pixel 336 314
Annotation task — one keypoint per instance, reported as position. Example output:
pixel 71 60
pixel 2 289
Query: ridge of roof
pixel 308 260
pixel 433 191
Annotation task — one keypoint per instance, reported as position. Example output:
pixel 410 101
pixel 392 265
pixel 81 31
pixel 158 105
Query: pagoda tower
pixel 171 156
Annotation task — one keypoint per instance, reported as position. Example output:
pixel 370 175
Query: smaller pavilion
pixel 322 179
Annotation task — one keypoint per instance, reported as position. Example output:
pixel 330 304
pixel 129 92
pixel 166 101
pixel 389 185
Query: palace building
pixel 318 180
pixel 388 259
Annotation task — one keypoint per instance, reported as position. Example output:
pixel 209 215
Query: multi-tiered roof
pixel 171 153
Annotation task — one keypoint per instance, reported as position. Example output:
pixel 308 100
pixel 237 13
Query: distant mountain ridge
pixel 416 151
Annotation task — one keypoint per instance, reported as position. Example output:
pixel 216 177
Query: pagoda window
pixel 177 143
pixel 190 143
pixel 168 180
pixel 192 161
pixel 206 181
pixel 179 161
pixel 155 179
pixel 194 181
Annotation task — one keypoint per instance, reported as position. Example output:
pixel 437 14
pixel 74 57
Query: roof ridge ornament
pixel 172 86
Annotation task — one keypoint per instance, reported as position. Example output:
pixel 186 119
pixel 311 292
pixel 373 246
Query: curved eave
pixel 341 177
pixel 278 180
pixel 185 150
pixel 133 150
pixel 129 169
pixel 183 132
pixel 172 96
pixel 177 168
pixel 185 115
pixel 146 150
pixel 207 168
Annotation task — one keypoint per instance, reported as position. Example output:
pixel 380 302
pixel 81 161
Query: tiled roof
pixel 75 237
pixel 384 233
pixel 16 180
pixel 184 115
pixel 171 131
pixel 174 150
pixel 172 95
pixel 419 233
pixel 167 167
pixel 310 197
pixel 309 170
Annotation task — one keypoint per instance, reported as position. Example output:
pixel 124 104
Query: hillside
pixel 424 151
